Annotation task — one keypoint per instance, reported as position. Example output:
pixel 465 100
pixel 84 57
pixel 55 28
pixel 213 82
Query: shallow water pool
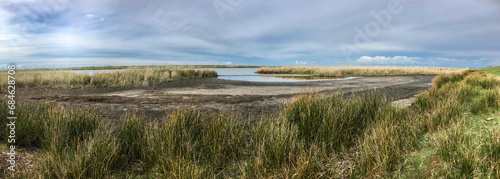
pixel 248 74
pixel 242 74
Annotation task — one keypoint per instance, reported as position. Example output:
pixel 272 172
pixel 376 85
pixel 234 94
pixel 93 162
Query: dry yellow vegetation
pixel 123 78
pixel 342 71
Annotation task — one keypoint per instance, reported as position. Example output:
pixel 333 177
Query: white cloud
pixel 8 36
pixel 388 60
pixel 449 60
pixel 89 15
pixel 228 63
pixel 402 60
pixel 300 62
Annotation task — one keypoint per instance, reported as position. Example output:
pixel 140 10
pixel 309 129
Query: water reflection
pixel 242 74
pixel 305 77
pixel 248 74
pixel 91 72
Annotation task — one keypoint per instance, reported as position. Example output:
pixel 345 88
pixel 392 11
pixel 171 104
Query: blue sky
pixel 451 33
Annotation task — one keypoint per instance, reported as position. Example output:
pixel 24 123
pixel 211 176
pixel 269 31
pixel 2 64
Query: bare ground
pixel 243 97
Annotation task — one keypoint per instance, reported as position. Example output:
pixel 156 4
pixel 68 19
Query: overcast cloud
pixel 453 33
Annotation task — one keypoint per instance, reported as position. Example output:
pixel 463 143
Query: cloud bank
pixel 426 33
pixel 388 60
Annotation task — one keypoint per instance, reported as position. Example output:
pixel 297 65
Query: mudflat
pixel 212 94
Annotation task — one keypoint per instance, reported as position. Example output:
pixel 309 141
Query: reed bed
pixel 143 67
pixel 443 134
pixel 125 78
pixel 347 71
pixel 405 145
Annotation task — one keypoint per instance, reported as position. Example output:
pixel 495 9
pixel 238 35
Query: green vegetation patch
pixel 492 70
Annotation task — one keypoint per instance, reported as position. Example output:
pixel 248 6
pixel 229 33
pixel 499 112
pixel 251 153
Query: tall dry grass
pixel 344 71
pixel 172 67
pixel 125 78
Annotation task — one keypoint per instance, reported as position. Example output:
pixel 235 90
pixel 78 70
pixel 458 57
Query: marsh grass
pixel 385 146
pixel 346 71
pixel 44 125
pixel 443 134
pixel 92 157
pixel 60 133
pixel 213 139
pixel 142 67
pixel 132 134
pixel 461 137
pixel 469 148
pixel 333 121
pixel 125 78
pixel 187 143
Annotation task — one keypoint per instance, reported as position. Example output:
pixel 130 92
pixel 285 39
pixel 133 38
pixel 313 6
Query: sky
pixel 56 33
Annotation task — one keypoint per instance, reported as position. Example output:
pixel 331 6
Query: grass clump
pixel 187 143
pixel 276 145
pixel 92 157
pixel 132 134
pixel 482 80
pixel 70 146
pixel 470 147
pixel 333 121
pixel 383 145
pixel 213 139
pixel 43 125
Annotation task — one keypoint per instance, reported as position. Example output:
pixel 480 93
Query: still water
pixel 242 74
pixel 248 74
pixel 91 72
